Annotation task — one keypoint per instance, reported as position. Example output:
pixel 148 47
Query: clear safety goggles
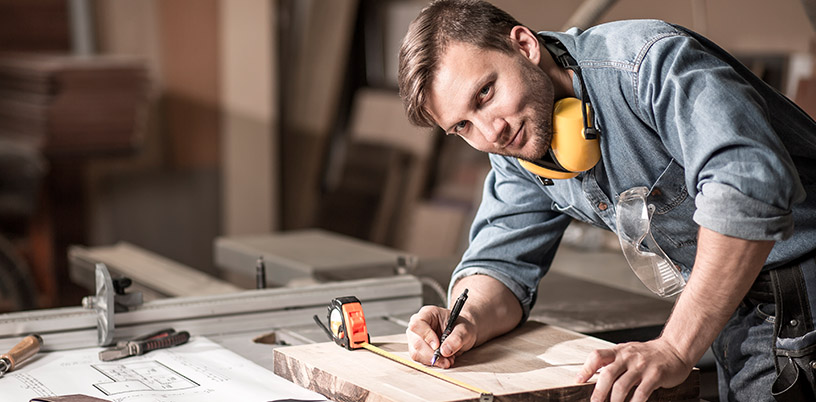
pixel 651 265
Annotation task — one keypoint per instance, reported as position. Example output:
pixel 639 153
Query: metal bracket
pixel 110 298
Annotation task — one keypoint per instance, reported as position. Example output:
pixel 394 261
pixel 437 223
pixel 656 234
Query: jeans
pixel 743 352
pixel 760 358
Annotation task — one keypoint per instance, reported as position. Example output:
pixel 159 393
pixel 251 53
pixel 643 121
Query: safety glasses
pixel 651 265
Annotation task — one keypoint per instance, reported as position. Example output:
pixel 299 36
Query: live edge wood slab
pixel 533 363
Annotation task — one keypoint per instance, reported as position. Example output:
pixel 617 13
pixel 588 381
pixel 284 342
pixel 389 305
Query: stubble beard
pixel 540 101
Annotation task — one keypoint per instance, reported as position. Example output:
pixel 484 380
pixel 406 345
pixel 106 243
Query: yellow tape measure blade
pixel 424 369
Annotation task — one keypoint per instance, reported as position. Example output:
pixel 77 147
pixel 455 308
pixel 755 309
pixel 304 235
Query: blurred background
pixel 166 124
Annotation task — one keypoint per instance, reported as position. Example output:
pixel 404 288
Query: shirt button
pixel 602 206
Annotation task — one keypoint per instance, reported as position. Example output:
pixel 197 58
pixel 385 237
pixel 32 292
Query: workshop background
pixel 168 124
pixel 151 130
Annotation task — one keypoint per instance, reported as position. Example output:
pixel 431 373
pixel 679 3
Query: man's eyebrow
pixel 473 92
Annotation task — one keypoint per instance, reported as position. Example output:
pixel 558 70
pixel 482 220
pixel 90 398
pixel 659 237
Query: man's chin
pixel 513 155
pixel 529 154
pixel 532 157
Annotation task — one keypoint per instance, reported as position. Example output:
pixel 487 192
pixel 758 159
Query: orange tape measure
pixel 347 322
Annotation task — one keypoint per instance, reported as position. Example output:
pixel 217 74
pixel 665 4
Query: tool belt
pixel 794 345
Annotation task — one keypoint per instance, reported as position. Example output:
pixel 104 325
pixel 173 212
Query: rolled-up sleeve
pixel 724 209
pixel 713 121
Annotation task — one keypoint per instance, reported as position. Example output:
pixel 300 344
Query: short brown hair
pixel 474 22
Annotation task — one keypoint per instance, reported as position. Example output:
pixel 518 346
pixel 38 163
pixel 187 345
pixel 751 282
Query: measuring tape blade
pixel 425 370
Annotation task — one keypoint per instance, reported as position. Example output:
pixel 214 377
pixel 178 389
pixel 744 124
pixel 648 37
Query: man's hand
pixel 491 310
pixel 724 269
pixel 642 366
pixel 424 331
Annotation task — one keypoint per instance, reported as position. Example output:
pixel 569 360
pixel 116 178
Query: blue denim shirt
pixel 717 147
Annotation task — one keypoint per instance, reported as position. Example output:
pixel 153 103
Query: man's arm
pixel 724 270
pixel 491 310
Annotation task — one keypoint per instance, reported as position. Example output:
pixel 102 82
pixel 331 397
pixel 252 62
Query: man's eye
pixel 459 126
pixel 485 91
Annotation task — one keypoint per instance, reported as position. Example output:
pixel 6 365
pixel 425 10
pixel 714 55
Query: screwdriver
pixel 28 347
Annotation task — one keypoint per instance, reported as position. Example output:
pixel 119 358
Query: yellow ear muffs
pixel 570 151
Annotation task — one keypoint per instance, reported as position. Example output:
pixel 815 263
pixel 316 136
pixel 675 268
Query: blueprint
pixel 199 370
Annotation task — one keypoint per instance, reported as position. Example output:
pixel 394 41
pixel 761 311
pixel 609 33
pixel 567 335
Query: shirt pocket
pixel 672 224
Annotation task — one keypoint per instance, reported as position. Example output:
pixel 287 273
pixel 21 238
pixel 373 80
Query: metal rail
pixel 263 309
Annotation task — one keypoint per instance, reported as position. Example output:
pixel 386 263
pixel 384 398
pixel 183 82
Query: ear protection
pixel 574 147
pixel 571 152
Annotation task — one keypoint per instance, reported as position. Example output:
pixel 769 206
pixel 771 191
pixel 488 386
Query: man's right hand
pixel 491 310
pixel 425 329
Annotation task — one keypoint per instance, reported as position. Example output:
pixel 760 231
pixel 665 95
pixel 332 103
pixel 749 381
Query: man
pixel 725 164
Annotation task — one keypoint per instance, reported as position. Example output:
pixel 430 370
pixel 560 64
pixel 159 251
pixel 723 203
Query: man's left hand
pixel 642 366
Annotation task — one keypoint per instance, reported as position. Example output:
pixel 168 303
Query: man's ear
pixel 527 43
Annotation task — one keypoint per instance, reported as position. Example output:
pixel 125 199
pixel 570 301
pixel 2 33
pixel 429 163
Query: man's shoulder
pixel 622 42
pixel 641 28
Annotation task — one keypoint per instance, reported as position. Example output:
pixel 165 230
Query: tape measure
pixel 347 328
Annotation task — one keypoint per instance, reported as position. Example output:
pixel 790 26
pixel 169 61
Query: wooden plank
pixel 535 362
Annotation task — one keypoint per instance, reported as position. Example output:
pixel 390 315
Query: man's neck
pixel 561 77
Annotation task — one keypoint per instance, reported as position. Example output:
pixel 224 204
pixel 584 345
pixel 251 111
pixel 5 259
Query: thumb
pixel 455 342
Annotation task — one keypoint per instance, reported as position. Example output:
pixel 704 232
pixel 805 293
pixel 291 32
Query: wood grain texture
pixel 535 362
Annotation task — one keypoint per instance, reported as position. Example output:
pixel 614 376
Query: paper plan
pixel 199 370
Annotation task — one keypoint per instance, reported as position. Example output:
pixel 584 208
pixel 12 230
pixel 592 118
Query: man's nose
pixel 492 128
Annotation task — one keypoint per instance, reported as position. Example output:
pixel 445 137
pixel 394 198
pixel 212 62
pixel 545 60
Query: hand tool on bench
pixel 27 347
pixel 349 330
pixel 164 338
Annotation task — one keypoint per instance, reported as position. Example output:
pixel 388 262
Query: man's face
pixel 497 102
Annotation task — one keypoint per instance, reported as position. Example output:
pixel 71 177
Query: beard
pixel 539 100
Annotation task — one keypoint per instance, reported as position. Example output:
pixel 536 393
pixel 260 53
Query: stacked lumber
pixel 73 105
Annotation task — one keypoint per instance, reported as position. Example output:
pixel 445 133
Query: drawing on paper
pixel 149 375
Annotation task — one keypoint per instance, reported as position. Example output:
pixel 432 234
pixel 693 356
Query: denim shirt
pixel 715 145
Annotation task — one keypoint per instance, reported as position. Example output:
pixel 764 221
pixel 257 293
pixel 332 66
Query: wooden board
pixel 534 362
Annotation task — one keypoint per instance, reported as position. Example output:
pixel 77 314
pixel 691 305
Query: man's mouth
pixel 515 137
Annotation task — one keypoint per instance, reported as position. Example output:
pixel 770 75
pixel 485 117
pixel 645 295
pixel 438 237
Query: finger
pixel 594 362
pixel 421 337
pixel 605 381
pixel 445 362
pixel 460 340
pixel 426 321
pixel 622 386
pixel 419 327
pixel 418 349
pixel 644 390
pixel 453 343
